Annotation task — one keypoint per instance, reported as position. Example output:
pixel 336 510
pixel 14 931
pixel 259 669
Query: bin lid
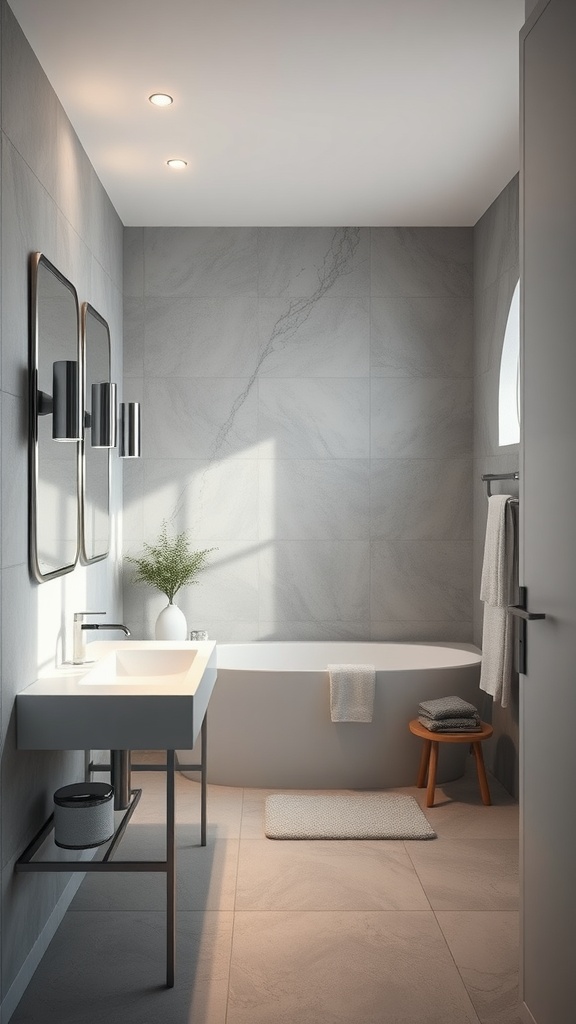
pixel 84 794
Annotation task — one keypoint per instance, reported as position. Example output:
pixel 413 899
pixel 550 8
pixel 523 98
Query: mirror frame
pixel 85 558
pixel 37 259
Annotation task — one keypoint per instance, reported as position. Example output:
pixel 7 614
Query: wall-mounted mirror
pixel 55 410
pixel 99 437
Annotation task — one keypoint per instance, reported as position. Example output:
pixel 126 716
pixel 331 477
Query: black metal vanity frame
pixel 26 861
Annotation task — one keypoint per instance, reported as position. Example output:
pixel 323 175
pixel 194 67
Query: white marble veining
pixel 308 262
pixel 325 338
pixel 305 389
pixel 187 417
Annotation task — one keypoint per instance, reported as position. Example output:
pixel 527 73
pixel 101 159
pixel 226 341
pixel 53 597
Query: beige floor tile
pixel 224 803
pixel 205 876
pixel 485 947
pixel 334 968
pixel 458 809
pixel 468 874
pixel 327 875
pixel 111 968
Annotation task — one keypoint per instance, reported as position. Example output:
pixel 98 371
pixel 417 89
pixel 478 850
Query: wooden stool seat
pixel 429 759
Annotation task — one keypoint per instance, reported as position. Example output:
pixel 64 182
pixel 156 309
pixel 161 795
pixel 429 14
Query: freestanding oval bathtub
pixel 269 720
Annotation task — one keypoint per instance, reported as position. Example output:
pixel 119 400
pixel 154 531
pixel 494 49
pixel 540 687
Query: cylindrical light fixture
pixel 103 415
pixel 66 410
pixel 130 439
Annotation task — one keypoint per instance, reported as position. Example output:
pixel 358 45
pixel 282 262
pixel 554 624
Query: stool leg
pixel 484 790
pixel 424 760
pixel 432 773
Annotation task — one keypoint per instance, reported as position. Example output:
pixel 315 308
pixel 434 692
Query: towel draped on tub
pixel 352 690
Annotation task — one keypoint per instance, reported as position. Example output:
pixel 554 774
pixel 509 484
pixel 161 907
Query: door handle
pixel 520 609
pixel 525 616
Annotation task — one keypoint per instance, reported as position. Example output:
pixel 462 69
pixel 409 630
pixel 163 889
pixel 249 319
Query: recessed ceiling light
pixel 160 99
pixel 177 165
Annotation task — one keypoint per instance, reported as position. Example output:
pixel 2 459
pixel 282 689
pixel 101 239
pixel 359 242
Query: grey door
pixel 548 504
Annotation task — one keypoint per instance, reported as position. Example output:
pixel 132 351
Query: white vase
pixel 171 624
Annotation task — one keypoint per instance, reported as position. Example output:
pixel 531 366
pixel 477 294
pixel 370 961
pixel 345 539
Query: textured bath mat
pixel 345 816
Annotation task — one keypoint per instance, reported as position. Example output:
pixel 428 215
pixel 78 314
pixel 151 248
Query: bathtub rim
pixel 261 645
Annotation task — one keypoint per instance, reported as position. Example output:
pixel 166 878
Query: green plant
pixel 169 564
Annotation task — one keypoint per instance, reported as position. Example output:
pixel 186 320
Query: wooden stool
pixel 429 759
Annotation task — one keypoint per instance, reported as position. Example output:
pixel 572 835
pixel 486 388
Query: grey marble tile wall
pixel 50 201
pixel 308 412
pixel 496 273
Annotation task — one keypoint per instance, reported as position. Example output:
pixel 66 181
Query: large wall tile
pixel 29 224
pixel 51 202
pixel 133 263
pixel 421 580
pixel 421 261
pixel 201 337
pixel 420 499
pixel 312 262
pixel 496 238
pixel 211 499
pixel 14 435
pixel 421 337
pixel 326 338
pixel 419 632
pixel 134 320
pixel 315 418
pixel 200 263
pixel 201 418
pixel 421 418
pixel 30 108
pixel 265 437
pixel 491 308
pixel 314 580
pixel 313 630
pixel 313 499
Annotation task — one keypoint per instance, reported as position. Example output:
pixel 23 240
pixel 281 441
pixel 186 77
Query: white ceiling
pixel 289 112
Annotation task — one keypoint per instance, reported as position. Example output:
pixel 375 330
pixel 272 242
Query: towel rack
pixel 489 477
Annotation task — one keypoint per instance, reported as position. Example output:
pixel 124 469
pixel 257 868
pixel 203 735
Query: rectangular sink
pixel 137 695
pixel 140 667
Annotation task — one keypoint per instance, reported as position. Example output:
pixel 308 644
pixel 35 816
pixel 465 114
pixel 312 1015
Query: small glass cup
pixel 198 634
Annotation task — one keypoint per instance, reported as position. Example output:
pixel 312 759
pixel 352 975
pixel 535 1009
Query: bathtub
pixel 269 717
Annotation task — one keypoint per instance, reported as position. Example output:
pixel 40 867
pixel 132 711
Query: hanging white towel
pixel 496 590
pixel 352 692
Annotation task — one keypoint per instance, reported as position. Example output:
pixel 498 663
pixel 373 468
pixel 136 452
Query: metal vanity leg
pixel 120 778
pixel 170 872
pixel 203 771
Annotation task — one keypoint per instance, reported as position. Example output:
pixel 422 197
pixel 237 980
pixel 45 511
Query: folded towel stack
pixel 449 714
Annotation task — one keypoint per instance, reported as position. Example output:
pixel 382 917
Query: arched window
pixel 509 389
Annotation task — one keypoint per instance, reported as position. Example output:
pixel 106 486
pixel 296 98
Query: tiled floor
pixel 272 932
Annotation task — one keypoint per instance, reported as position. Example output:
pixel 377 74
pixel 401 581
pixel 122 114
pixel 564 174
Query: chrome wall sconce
pixel 111 425
pixel 102 417
pixel 130 438
pixel 64 403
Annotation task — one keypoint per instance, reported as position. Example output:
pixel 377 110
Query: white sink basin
pixel 141 667
pixel 137 695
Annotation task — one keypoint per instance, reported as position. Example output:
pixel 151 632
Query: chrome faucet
pixel 79 649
